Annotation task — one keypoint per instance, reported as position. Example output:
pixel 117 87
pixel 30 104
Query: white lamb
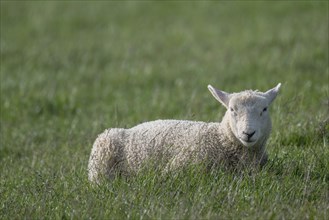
pixel 238 140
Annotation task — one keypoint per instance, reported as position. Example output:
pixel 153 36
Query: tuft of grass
pixel 69 70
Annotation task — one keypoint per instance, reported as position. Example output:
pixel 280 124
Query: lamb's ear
pixel 272 93
pixel 221 96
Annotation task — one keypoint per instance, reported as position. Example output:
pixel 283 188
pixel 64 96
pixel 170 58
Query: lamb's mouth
pixel 248 143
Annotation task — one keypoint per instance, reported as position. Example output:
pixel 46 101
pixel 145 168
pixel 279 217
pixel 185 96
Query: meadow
pixel 69 70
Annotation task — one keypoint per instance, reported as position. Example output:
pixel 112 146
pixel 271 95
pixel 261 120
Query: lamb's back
pixel 166 138
pixel 174 132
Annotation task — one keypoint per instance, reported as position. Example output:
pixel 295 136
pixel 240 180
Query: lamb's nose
pixel 249 135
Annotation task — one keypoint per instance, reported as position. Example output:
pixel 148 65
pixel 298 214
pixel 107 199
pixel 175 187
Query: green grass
pixel 71 69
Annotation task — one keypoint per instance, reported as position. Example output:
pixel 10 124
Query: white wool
pixel 240 138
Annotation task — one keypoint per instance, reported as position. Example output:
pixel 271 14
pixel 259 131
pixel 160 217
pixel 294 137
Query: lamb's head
pixel 247 113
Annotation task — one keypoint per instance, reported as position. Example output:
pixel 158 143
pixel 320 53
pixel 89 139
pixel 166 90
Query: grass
pixel 71 69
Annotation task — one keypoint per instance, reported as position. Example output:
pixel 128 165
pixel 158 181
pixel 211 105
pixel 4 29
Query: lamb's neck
pixel 227 131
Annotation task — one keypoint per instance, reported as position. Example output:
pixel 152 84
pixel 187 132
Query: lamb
pixel 239 139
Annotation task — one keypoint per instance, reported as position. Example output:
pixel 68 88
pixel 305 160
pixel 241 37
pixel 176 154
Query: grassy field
pixel 71 69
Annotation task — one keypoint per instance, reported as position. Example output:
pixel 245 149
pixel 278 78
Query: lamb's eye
pixel 233 111
pixel 265 109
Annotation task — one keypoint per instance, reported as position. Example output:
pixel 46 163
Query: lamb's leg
pixel 181 160
pixel 106 155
